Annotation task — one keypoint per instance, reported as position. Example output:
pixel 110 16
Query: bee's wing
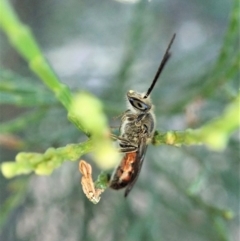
pixel 137 165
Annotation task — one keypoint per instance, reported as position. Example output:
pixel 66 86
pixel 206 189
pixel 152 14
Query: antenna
pixel 166 57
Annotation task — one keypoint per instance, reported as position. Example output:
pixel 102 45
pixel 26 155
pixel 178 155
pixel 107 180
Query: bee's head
pixel 137 102
pixel 141 102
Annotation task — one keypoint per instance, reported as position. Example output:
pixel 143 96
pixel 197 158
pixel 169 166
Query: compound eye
pixel 139 104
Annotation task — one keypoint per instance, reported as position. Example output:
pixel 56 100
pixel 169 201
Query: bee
pixel 136 132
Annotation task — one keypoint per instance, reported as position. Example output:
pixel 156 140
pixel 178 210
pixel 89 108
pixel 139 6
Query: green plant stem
pixel 214 134
pixel 22 39
pixel 44 164
pixel 24 42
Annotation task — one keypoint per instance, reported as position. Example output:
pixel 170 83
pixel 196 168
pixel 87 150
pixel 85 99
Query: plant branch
pixel 214 134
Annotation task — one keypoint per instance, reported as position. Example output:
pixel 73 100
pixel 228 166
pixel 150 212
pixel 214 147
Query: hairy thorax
pixel 133 130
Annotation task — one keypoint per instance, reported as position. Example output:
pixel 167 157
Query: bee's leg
pixel 140 117
pixel 114 137
pixel 122 140
pixel 128 149
pixel 125 145
pixel 121 115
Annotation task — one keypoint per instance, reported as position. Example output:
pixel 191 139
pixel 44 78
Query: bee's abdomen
pixel 124 173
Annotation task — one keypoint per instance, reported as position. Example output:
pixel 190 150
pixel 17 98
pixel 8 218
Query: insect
pixel 136 132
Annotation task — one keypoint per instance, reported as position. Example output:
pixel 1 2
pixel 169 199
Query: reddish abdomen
pixel 124 172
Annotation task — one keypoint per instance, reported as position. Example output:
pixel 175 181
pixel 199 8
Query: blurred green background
pixel 108 47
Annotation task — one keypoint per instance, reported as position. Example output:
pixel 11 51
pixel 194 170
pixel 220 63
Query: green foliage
pixel 18 91
pixel 182 196
pixel 214 134
pixel 22 39
pixel 44 164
